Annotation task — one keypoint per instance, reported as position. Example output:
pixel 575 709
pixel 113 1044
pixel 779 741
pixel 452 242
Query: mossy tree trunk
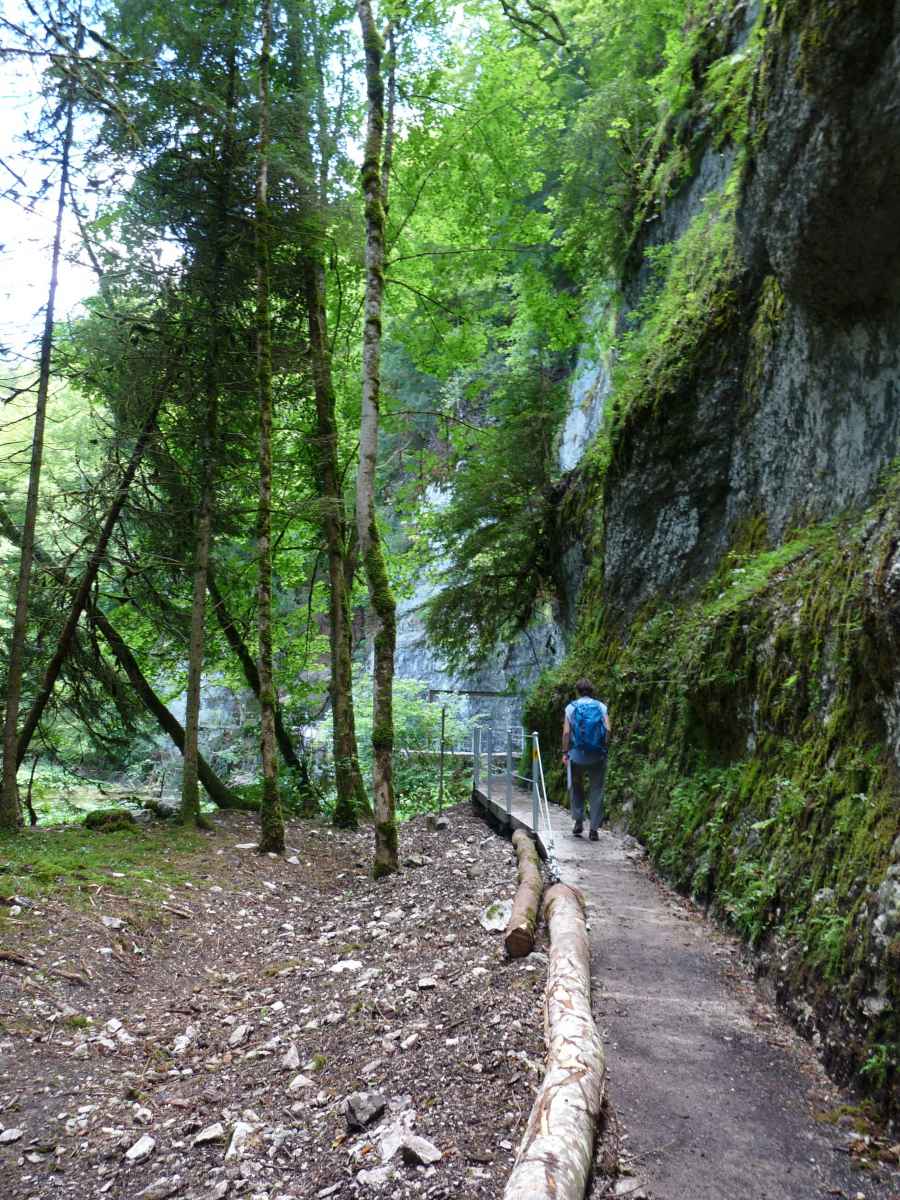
pixel 10 814
pixel 270 817
pixel 190 791
pixel 334 524
pixel 371 552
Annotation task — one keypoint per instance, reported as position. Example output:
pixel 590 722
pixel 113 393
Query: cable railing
pixel 493 760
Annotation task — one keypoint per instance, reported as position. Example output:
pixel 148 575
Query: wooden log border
pixel 555 1154
pixel 519 936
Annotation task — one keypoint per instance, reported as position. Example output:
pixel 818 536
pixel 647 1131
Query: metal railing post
pixel 509 771
pixel 490 759
pixel 535 785
pixel 476 757
pixel 441 775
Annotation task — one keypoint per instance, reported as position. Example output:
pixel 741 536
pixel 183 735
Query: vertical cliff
pixel 736 515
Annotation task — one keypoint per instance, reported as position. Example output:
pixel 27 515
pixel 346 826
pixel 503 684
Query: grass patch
pixel 70 861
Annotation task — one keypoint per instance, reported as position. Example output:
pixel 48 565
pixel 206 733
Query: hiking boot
pixel 578 830
pixel 593 835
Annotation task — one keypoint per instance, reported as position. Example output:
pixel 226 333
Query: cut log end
pixel 519 936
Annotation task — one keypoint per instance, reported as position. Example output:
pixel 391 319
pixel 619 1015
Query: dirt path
pixel 718 1098
pixel 204 1046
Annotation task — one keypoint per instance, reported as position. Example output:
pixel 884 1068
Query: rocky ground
pixel 273 1028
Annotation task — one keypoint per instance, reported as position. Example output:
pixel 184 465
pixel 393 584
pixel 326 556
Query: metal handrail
pixel 544 804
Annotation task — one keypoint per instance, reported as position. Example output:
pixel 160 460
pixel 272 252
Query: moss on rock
pixel 750 754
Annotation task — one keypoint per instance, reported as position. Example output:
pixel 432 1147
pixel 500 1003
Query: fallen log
pixel 519 936
pixel 556 1151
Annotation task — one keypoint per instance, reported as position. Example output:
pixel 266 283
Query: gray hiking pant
pixel 595 774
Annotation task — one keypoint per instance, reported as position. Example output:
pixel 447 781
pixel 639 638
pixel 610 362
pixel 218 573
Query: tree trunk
pixel 190 793
pixel 282 736
pixel 271 823
pixel 218 792
pixel 556 1151
pixel 10 815
pixel 351 792
pixel 333 520
pixel 370 549
pixel 83 591
pixel 220 795
pixel 208 440
pixel 519 937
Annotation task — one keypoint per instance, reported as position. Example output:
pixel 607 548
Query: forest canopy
pixel 340 262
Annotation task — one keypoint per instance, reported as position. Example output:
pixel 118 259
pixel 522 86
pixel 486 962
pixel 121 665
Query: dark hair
pixel 584 687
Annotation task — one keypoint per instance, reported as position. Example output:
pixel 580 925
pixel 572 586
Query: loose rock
pixel 361 1108
pixel 141 1149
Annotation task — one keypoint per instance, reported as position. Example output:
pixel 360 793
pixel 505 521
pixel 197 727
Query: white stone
pixel 212 1133
pixel 291 1060
pixel 113 922
pixel 299 1082
pixel 243 1132
pixel 346 964
pixel 239 1035
pixel 495 917
pixel 160 1189
pixel 10 1135
pixel 141 1149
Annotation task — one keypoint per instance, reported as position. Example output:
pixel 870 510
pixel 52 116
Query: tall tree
pixel 376 165
pixel 211 264
pixel 308 83
pixel 271 823
pixel 10 816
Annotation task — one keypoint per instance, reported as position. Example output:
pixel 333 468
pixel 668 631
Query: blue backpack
pixel 588 727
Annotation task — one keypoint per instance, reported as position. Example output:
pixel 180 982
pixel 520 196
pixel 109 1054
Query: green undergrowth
pixel 72 862
pixel 750 756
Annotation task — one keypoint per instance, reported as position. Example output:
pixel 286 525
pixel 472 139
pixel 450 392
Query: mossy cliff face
pixel 740 609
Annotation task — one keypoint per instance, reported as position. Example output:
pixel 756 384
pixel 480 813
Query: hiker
pixel 586 731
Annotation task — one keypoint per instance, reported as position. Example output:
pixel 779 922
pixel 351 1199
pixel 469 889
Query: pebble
pixel 243 1131
pixel 212 1133
pixel 239 1035
pixel 361 1108
pixel 291 1060
pixel 113 922
pixel 160 1189
pixel 298 1082
pixel 10 1135
pixel 141 1149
